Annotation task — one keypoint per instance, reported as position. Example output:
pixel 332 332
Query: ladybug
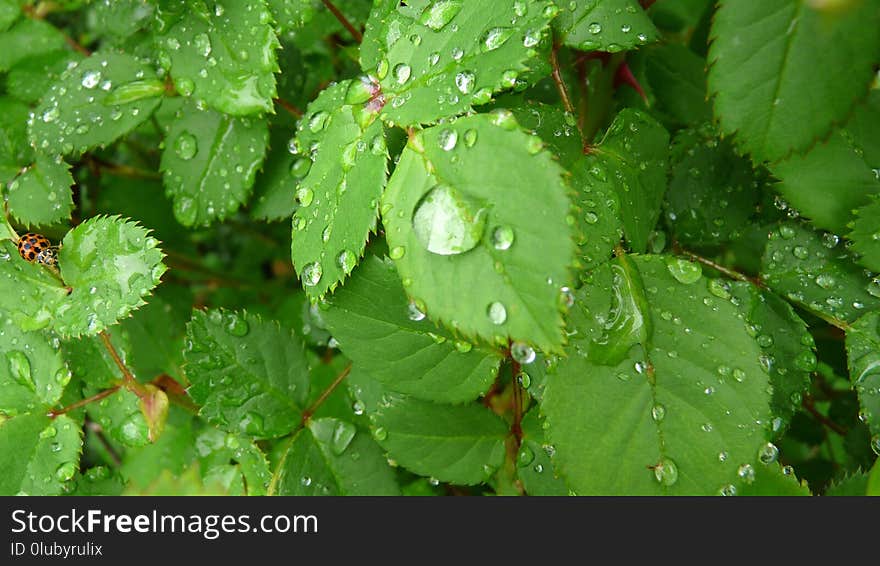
pixel 38 248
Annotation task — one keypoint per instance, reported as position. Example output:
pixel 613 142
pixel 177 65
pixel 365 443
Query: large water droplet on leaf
pixel 666 472
pixel 20 368
pixel 343 434
pixel 447 222
pixel 440 13
pixel 311 274
pixel 186 146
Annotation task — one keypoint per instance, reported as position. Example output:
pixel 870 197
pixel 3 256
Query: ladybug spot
pixel 31 255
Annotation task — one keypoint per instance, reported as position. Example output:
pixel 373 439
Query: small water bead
pixel 65 471
pixel 800 252
pixel 768 453
pixel 343 434
pixel 300 168
pixel 728 490
pixel 747 473
pixel 447 139
pixel 397 252
pixel 463 346
pixel 318 121
pixel 90 79
pixel 495 38
pixel 722 457
pixel 497 313
pixel 684 271
pixel 186 146
pixel 502 238
pixel 826 281
pixel 522 353
pixel 666 472
pixel 414 313
pixel 595 28
pixel 875 444
pixel 658 412
pixel 464 81
pixel 346 260
pixel 438 15
pixel 402 72
pixel 311 274
pixel 447 222
pixel 304 196
pixel 470 138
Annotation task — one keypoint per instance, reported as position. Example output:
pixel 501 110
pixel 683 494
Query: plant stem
pixel 807 403
pixel 516 426
pixel 293 110
pixel 128 380
pixel 307 414
pixel 730 273
pixel 83 402
pixel 123 170
pixel 99 433
pixel 355 33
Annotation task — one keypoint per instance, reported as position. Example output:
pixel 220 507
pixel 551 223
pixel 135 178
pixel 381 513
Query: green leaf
pixel 156 333
pixel 774 480
pixel 865 234
pixel 855 485
pixel 677 77
pixel 835 176
pixel 817 274
pixel 29 293
pixel 461 208
pixel 533 465
pixel 275 184
pixel 41 194
pixel 863 359
pixel 631 161
pixel 46 454
pixel 224 55
pixel 764 61
pixel 30 78
pixel 15 151
pixel 339 197
pixel 389 337
pixel 120 18
pixel 171 453
pixel 90 361
pixel 788 346
pixel 713 192
pixel 95 102
pixel 460 444
pixel 209 163
pixel 9 12
pixel 333 457
pixel 120 416
pixel 217 450
pixel 684 411
pixel 27 38
pixel 607 25
pixel 440 58
pixel 248 376
pixel 32 372
pixel 111 265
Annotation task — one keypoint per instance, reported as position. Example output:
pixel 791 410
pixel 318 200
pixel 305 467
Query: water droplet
pixel 470 138
pixel 397 252
pixel 525 457
pixel 522 353
pixel 20 368
pixel 90 79
pixel 318 121
pixel 502 238
pixel 684 271
pixel 202 43
pixel 448 223
pixel 49 432
pixel 746 472
pixel 311 274
pixel 186 146
pixel 304 196
pixel 463 346
pixel 440 13
pixel 658 411
pixel 826 281
pixel 786 232
pixel 346 261
pixel 300 168
pixel 236 325
pixel 497 313
pixel 402 72
pixel 728 490
pixel 666 472
pixel 447 139
pixel 495 38
pixel 65 471
pixel 343 434
pixel 380 434
pixel 768 453
pixel 595 28
pixel 414 313
pixel 464 81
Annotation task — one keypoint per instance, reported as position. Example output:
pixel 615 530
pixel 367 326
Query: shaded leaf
pixel 41 194
pixel 764 60
pixel 389 338
pixel 46 454
pixel 607 25
pixel 863 357
pixel 32 372
pixel 248 375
